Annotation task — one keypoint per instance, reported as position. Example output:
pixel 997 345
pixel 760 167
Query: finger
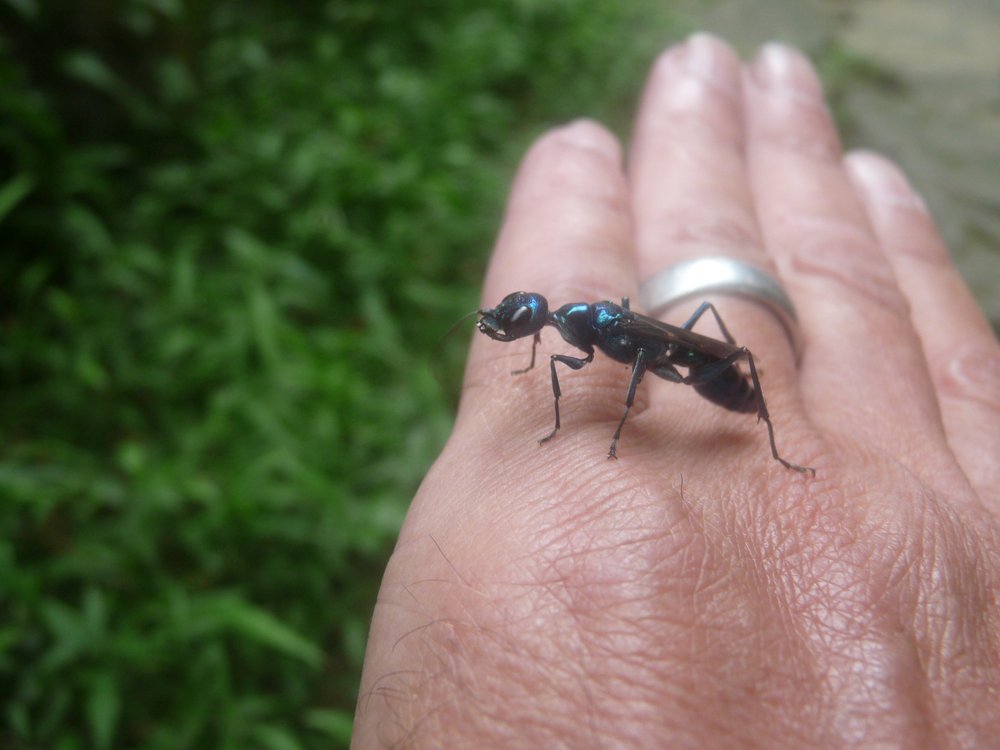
pixel 958 342
pixel 690 194
pixel 567 229
pixel 863 375
pixel 567 236
pixel 691 198
pixel 689 189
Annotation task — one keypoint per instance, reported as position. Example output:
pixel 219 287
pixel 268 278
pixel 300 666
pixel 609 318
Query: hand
pixel 695 593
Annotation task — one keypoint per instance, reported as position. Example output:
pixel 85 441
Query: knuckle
pixel 849 262
pixel 972 374
pixel 704 106
pixel 579 164
pixel 803 130
pixel 732 229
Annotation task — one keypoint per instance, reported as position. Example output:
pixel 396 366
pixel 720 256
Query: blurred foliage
pixel 230 234
pixel 843 71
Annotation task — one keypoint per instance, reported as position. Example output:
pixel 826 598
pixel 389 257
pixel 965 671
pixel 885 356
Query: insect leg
pixel 714 370
pixel 574 363
pixel 664 369
pixel 762 414
pixel 637 372
pixel 534 345
pixel 702 308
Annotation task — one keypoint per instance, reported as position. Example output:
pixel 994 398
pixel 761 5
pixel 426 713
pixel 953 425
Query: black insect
pixel 643 342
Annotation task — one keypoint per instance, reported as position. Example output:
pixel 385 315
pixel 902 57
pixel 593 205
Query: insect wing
pixel 644 326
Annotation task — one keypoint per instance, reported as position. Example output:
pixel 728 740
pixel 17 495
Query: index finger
pixel 566 235
pixel 566 229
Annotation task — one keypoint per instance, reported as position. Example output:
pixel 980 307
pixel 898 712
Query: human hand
pixel 695 593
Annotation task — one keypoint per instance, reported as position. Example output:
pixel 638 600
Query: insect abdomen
pixel 730 390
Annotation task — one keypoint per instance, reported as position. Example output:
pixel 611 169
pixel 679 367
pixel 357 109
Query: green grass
pixel 231 234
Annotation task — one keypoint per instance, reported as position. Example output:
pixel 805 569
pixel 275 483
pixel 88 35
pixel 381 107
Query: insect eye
pixel 519 323
pixel 517 318
pixel 522 314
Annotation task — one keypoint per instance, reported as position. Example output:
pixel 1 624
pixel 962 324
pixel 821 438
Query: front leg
pixel 534 346
pixel 574 363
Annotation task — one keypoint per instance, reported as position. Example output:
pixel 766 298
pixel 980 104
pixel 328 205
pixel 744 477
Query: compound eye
pixel 520 320
pixel 525 320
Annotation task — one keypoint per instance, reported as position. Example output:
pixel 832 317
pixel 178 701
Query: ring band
pixel 720 275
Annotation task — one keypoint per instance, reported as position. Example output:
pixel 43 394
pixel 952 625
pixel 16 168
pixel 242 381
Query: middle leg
pixel 637 372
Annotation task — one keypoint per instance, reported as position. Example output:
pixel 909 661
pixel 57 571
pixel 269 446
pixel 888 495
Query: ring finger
pixel 691 198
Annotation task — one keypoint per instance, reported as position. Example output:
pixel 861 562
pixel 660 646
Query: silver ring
pixel 720 275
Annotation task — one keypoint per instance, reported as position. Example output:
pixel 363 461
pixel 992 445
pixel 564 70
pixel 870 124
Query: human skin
pixel 695 593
